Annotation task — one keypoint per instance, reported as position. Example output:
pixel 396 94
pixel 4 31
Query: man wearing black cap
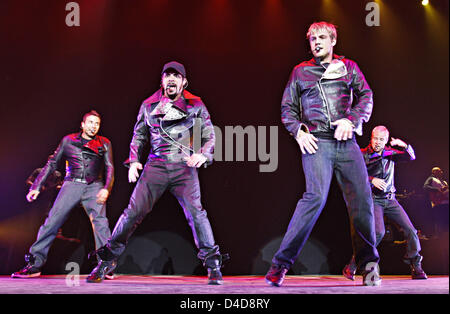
pixel 171 120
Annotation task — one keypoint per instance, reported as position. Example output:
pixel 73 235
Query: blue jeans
pixel 344 159
pixel 70 195
pixel 395 213
pixel 182 181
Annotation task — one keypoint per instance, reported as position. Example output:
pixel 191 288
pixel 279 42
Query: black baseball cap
pixel 175 66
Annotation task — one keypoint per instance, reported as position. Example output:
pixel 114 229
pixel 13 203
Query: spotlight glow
pixel 425 2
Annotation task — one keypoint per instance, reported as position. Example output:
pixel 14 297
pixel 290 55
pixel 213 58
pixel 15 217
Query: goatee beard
pixel 171 96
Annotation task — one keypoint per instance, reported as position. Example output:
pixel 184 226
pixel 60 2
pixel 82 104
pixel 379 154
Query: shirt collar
pixel 335 56
pixel 93 144
pixel 387 151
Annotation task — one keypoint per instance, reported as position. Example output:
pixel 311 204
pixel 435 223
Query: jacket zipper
pixel 326 102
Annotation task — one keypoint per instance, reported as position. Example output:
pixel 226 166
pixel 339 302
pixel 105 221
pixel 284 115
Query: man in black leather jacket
pixel 178 127
pixel 380 161
pixel 324 104
pixel 89 180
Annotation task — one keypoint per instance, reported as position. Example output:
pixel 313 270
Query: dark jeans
pixel 70 195
pixel 395 213
pixel 344 159
pixel 182 181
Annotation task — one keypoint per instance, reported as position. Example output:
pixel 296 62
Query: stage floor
pixel 195 285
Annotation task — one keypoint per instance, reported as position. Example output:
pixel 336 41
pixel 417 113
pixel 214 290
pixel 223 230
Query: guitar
pixel 439 197
pixel 404 195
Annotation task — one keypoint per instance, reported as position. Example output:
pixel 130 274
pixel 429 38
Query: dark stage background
pixel 238 55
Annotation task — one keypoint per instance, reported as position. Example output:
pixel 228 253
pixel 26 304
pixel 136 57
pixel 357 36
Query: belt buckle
pixel 78 180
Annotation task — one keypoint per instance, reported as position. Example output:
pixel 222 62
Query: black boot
pixel 106 264
pixel 416 267
pixel 275 275
pixel 29 271
pixel 213 265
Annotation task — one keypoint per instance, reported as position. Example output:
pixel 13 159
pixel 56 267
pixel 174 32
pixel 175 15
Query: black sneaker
pixel 101 270
pixel 28 271
pixel 213 264
pixel 215 276
pixel 416 267
pixel 276 274
pixel 349 270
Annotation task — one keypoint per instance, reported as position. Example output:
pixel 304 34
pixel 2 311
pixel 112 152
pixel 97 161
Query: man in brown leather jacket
pixel 172 120
pixel 89 180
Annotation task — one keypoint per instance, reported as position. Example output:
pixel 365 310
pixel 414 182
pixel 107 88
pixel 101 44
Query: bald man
pixel 380 161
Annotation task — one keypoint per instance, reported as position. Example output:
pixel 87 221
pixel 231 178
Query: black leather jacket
pixel 382 166
pixel 189 130
pixel 317 95
pixel 84 164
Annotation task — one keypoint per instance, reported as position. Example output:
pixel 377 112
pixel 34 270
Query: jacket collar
pixel 95 144
pixel 180 104
pixel 369 150
pixel 335 56
pixel 387 151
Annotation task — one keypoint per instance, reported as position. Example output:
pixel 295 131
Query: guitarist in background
pixel 437 190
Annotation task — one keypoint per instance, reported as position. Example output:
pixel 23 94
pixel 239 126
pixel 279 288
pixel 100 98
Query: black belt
pixel 76 180
pixel 388 196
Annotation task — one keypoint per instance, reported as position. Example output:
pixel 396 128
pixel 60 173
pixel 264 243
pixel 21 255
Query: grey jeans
pixel 395 213
pixel 182 181
pixel 70 195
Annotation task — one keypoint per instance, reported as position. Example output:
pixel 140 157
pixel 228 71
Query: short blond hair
pixel 318 26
